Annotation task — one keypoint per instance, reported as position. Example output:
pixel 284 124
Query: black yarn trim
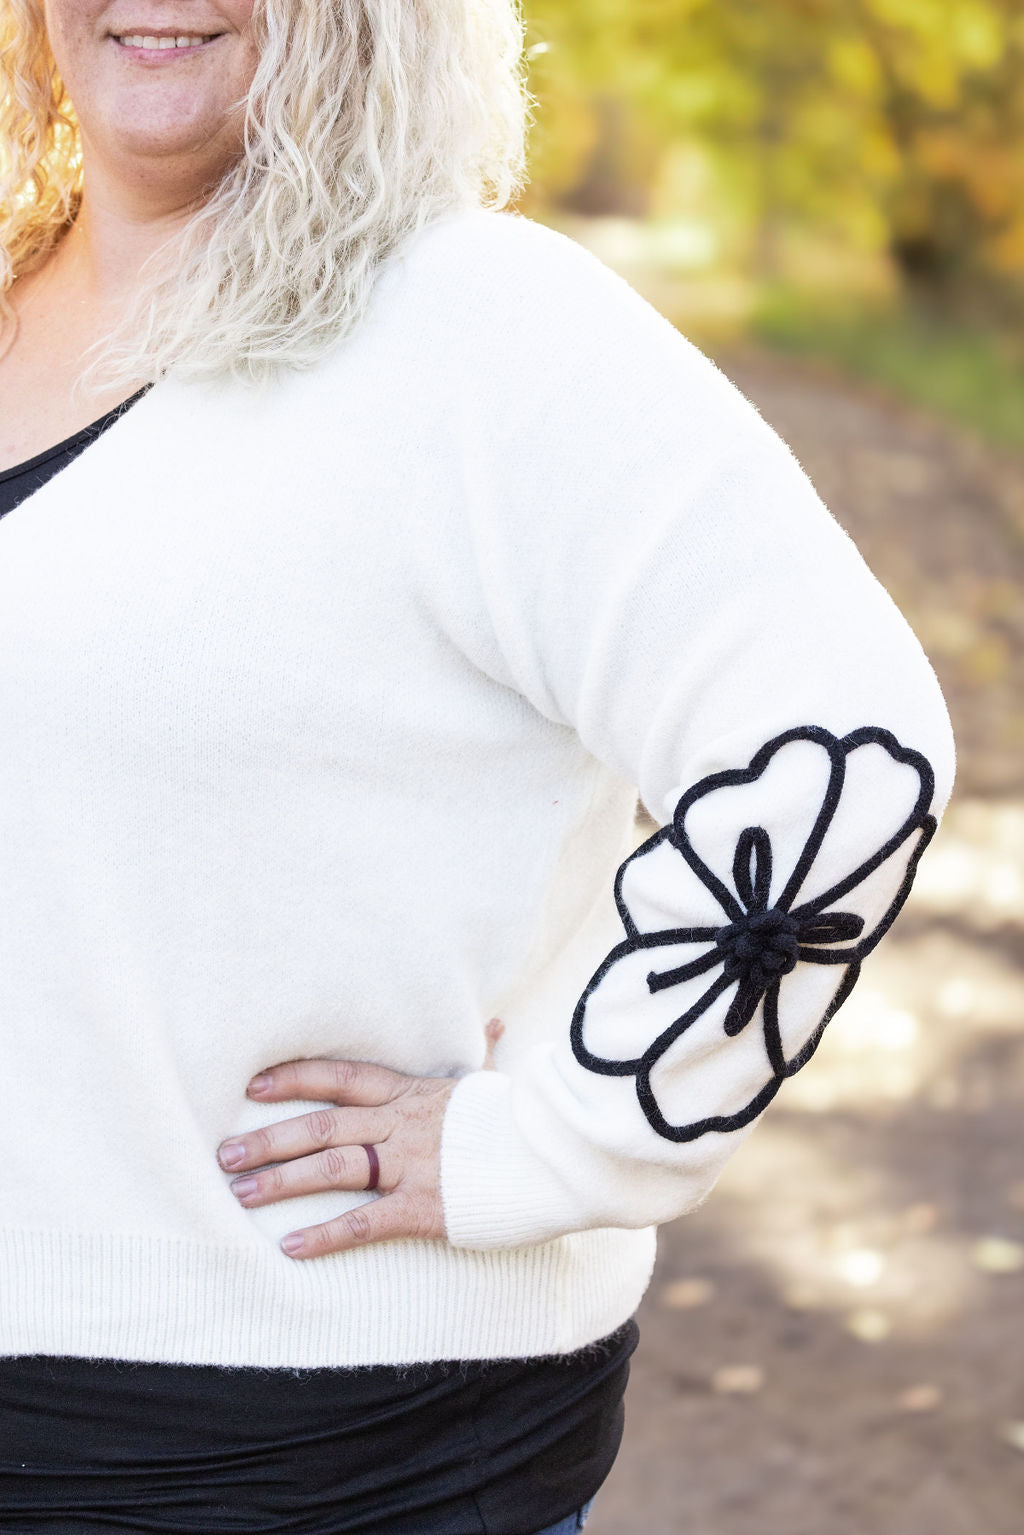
pixel 757 945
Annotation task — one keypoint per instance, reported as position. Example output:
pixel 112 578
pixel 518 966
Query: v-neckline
pixel 94 429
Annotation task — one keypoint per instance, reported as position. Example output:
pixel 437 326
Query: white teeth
pixel 140 41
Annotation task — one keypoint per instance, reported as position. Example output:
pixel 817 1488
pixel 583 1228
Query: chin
pixel 176 127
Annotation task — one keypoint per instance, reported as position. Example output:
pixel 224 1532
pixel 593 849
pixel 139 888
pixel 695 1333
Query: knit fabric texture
pixel 325 705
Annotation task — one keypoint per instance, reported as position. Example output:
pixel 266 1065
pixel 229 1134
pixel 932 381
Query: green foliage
pixel 896 126
pixel 971 374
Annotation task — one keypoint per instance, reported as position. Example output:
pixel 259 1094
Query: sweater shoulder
pixel 519 287
pixel 474 247
pixel 528 321
pixel 479 243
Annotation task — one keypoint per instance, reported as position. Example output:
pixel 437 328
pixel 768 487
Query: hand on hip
pixel 382 1131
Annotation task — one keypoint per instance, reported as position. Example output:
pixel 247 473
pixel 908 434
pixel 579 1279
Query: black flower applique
pixel 769 934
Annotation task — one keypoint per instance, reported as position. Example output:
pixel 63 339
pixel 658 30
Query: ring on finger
pixel 374 1160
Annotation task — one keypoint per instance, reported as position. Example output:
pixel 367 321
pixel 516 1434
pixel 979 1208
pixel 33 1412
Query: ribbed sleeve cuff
pixel 496 1191
pixel 499 1191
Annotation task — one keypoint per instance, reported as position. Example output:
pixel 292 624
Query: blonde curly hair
pixel 366 120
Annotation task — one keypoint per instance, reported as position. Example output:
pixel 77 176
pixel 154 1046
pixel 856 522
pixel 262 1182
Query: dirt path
pixel 834 1344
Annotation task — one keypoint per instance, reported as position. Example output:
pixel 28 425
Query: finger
pixel 305 1134
pixel 379 1220
pixel 336 1167
pixel 492 1033
pixel 353 1082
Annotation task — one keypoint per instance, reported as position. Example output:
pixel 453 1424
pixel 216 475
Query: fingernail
pixel 231 1153
pixel 262 1083
pixel 243 1187
pixel 292 1243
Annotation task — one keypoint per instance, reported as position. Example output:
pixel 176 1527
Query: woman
pixel 366 548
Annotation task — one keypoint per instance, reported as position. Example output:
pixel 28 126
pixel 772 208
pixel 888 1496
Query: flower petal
pixel 882 802
pixel 694 1086
pixel 876 900
pixel 783 793
pixel 706 1075
pixel 805 996
pixel 659 891
pixel 619 1017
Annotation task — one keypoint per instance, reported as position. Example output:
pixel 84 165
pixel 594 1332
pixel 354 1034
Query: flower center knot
pixel 760 946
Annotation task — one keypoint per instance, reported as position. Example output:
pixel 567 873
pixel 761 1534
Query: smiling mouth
pixel 151 42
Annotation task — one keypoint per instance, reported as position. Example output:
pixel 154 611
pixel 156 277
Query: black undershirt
pixel 23 479
pixel 477 1448
pixel 443 1448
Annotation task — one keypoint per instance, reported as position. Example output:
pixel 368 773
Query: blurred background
pixel 827 196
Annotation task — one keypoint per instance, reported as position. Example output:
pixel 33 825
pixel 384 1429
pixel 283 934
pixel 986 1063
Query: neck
pixel 90 282
pixel 116 231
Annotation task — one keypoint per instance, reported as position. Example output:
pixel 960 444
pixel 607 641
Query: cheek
pixel 239 13
pixel 70 29
pixel 241 65
pixel 75 34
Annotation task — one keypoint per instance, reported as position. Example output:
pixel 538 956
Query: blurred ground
pixel 834 1344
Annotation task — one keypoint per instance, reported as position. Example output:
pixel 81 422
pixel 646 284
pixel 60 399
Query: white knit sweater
pixel 323 712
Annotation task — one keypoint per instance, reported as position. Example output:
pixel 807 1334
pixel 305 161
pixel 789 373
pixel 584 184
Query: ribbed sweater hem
pixel 156 1298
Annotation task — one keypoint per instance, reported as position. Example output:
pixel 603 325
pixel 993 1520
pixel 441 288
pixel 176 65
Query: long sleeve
pixel 661 577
